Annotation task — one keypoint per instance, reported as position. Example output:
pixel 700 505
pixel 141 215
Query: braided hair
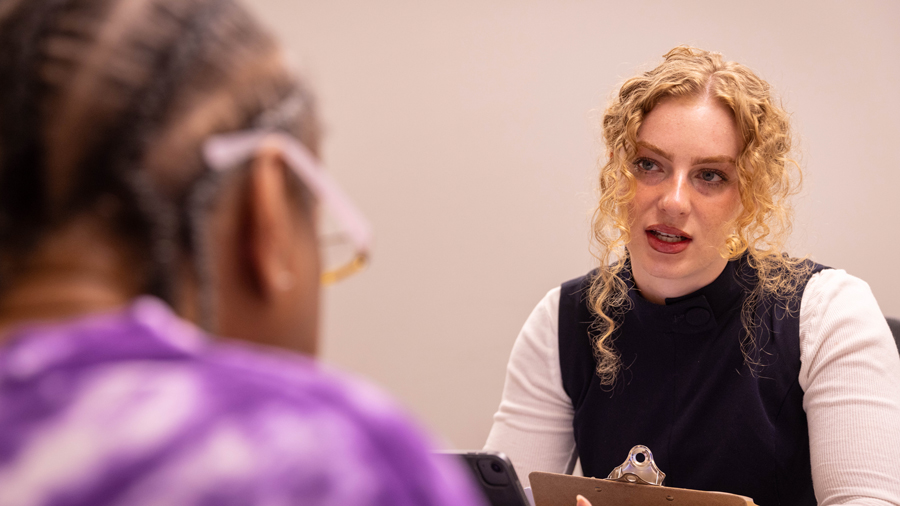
pixel 104 104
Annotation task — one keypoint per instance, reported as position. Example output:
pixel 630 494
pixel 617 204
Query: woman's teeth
pixel 667 237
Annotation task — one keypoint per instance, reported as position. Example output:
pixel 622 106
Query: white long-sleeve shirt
pixel 849 373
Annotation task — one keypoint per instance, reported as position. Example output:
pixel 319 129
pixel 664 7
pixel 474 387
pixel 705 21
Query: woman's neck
pixel 77 270
pixel 658 288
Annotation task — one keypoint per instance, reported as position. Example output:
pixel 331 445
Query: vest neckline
pixel 696 312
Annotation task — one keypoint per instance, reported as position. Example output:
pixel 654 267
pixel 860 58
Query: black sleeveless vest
pixel 685 391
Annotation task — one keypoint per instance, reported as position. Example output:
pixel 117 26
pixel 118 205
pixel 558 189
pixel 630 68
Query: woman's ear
pixel 267 225
pixel 269 281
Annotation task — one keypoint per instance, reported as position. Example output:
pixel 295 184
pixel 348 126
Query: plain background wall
pixel 466 131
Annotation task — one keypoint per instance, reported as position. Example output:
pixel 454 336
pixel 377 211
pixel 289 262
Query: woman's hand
pixel 581 501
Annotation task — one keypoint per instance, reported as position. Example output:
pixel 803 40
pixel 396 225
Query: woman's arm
pixel 850 375
pixel 533 425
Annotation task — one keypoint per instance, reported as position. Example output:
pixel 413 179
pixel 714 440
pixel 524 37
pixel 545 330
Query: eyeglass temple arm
pixel 226 150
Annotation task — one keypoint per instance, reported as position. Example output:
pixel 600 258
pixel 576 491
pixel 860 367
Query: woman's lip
pixel 665 229
pixel 670 248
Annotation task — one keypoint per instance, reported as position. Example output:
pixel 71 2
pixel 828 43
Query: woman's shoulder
pixel 839 310
pixel 830 287
pixel 142 386
pixel 832 279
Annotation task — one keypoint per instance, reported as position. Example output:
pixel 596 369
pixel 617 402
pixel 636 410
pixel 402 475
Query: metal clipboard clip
pixel 639 468
pixel 626 485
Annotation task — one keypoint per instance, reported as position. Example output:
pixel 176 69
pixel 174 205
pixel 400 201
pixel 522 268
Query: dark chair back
pixel 894 324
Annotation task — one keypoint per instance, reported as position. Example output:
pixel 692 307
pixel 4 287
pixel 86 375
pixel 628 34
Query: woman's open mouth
pixel 667 239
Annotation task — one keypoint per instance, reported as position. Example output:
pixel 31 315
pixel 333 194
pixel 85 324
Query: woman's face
pixel 686 198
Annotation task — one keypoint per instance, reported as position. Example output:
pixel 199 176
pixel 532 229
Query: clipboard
pixel 637 482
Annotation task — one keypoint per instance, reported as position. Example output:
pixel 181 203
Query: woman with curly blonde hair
pixel 743 369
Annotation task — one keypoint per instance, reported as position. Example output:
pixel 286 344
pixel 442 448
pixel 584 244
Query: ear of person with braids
pixel 158 177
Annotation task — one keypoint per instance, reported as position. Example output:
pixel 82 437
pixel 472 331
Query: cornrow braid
pixel 22 182
pixel 121 154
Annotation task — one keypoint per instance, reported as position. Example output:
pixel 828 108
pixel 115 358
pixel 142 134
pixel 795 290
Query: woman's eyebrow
pixel 659 151
pixel 712 159
pixel 694 161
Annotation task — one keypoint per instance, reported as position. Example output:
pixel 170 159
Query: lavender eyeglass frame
pixel 226 151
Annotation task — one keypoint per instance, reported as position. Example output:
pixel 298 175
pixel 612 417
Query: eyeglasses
pixel 345 237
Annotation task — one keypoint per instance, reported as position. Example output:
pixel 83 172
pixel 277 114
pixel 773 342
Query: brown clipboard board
pixel 551 489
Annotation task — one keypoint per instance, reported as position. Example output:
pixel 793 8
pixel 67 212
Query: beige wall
pixel 464 131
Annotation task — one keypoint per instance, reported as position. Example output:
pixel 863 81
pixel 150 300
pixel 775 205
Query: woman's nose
pixel 676 197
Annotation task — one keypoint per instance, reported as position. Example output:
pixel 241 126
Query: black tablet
pixel 495 474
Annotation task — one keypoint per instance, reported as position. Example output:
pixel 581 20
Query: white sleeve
pixel 533 425
pixel 850 375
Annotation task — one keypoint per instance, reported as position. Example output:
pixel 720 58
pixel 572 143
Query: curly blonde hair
pixel 767 178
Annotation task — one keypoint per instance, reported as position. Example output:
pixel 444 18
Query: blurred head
pixel 105 106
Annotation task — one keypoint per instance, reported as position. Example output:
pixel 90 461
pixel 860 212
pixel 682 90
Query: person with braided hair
pixel 159 186
pixel 742 369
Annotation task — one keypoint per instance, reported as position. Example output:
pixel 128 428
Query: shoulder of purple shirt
pixel 140 407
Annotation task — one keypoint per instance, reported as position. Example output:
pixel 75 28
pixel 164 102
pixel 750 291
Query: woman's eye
pixel 711 176
pixel 645 165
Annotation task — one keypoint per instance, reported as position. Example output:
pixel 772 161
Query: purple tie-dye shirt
pixel 138 407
